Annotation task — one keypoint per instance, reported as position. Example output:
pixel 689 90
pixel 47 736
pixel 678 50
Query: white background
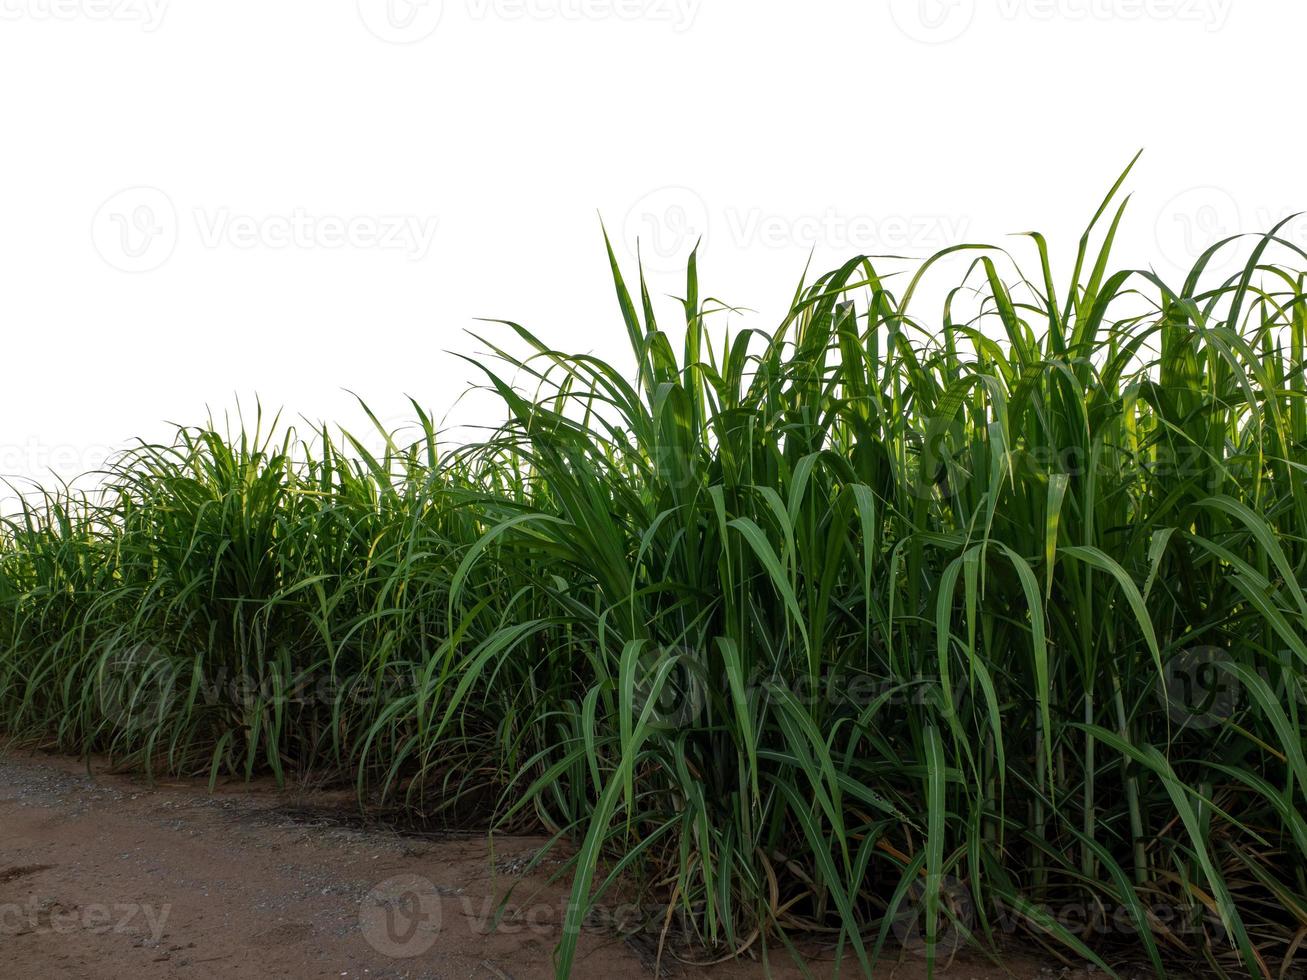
pixel 203 202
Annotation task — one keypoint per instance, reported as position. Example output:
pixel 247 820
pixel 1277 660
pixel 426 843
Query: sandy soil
pixel 105 876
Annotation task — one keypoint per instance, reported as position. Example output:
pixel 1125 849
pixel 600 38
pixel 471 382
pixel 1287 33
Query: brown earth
pixel 104 876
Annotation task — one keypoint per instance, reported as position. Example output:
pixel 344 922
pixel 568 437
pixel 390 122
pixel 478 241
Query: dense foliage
pixel 887 629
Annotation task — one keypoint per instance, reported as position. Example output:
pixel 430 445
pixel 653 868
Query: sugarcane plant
pixel 892 629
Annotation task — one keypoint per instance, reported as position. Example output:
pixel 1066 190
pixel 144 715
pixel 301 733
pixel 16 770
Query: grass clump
pixel 887 628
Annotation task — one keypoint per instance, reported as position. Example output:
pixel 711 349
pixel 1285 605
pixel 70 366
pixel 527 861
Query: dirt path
pixel 104 876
